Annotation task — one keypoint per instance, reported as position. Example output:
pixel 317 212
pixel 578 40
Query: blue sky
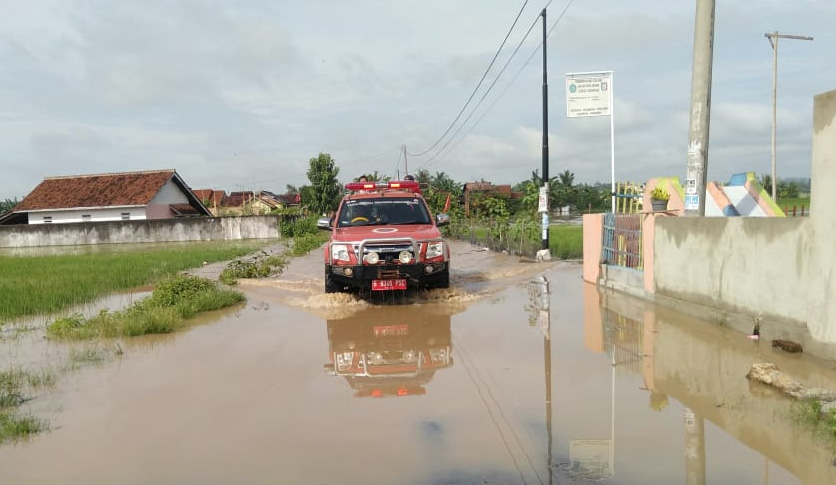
pixel 239 95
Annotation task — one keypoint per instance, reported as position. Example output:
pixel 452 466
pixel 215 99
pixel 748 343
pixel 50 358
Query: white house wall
pixel 96 215
pixel 170 193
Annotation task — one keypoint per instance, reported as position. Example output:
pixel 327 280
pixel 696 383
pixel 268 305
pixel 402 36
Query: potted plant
pixel 659 199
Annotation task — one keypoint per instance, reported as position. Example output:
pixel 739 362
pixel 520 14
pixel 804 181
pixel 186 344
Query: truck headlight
pixel 339 252
pixel 344 360
pixel 372 258
pixel 435 249
pixel 438 356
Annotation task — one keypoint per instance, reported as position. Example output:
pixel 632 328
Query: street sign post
pixel 591 94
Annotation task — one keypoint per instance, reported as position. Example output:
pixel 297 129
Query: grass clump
pixel 32 285
pixel 12 383
pixel 819 416
pixel 14 426
pixel 89 354
pixel 259 266
pixel 173 300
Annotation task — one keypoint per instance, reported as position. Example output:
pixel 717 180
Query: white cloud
pixel 203 85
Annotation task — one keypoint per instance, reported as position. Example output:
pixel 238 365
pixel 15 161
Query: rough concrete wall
pixel 165 230
pixel 821 285
pixel 747 265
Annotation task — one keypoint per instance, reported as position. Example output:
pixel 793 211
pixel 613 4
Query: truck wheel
pixel 330 285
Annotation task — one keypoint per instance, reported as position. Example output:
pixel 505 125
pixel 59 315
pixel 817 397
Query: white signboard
pixel 692 202
pixel 543 199
pixel 588 94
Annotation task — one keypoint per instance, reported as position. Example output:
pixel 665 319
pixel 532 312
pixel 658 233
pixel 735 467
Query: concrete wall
pixel 782 269
pixel 821 286
pixel 749 265
pixel 161 230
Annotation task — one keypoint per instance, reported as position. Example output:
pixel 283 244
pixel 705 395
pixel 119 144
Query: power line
pixel 477 86
pixel 513 80
pixel 478 103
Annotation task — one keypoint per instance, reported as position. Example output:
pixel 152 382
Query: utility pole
pixel 696 173
pixel 773 41
pixel 405 165
pixel 545 155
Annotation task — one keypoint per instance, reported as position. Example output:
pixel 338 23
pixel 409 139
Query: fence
pixel 628 197
pixel 622 244
pixel 796 211
pixel 520 237
pixel 623 340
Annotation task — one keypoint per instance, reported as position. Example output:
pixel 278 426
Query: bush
pixel 295 226
pixel 173 300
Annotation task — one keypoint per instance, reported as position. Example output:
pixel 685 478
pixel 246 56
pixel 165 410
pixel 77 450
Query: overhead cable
pixel 477 86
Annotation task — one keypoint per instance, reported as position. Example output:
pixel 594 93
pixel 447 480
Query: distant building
pixel 487 188
pixel 212 199
pixel 159 194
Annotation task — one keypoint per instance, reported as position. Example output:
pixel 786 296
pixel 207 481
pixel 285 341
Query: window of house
pixel 47 219
pixel 126 216
pixel 85 218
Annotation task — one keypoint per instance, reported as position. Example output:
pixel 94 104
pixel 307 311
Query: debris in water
pixel 787 345
pixel 769 373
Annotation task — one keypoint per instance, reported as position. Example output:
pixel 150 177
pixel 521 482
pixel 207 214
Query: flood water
pixel 488 382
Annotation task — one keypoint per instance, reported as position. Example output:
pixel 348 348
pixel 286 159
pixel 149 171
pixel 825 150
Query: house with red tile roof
pixel 212 199
pixel 158 194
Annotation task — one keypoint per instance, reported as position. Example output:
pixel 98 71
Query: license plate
pixel 391 330
pixel 385 285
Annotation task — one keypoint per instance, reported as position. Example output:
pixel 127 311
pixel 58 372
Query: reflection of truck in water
pixel 389 351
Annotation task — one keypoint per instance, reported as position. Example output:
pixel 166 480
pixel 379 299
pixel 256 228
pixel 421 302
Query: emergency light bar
pixel 398 184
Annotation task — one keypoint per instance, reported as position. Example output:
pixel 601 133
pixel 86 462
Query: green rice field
pixel 32 284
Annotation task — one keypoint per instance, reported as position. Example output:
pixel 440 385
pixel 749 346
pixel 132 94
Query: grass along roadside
pixel 32 285
pixel 565 240
pixel 173 301
pixel 305 237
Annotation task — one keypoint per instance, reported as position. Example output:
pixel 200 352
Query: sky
pixel 239 95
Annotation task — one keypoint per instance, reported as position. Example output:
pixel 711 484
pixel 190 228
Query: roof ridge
pixel 108 174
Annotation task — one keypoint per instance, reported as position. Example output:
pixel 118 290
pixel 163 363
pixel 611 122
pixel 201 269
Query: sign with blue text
pixel 588 94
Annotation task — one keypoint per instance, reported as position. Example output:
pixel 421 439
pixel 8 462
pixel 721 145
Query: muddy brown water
pixel 457 386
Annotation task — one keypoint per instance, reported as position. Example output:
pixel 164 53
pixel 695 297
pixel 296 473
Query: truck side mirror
pixel 324 223
pixel 442 220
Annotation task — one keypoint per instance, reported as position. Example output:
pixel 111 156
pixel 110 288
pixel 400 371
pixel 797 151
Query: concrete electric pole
pixel 773 41
pixel 696 173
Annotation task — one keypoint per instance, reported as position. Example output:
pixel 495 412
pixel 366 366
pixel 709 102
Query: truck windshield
pixel 389 210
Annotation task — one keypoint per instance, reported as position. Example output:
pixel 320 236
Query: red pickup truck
pixel 383 238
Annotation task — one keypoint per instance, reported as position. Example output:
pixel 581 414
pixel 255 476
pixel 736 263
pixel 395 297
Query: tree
pixel 377 177
pixel 787 190
pixel 291 190
pixel 766 182
pixel 423 176
pixel 325 188
pixel 8 204
pixel 443 183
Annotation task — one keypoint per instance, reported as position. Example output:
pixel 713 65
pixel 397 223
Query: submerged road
pixel 488 382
